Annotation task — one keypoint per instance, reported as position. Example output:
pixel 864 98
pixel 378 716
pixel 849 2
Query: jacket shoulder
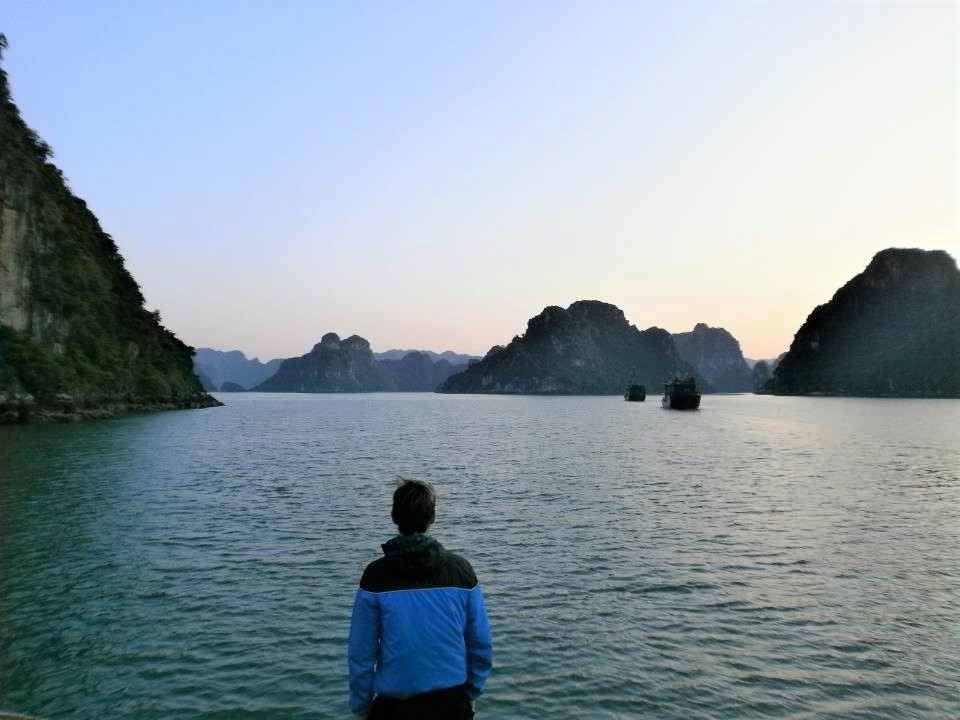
pixel 462 569
pixel 445 569
pixel 374 574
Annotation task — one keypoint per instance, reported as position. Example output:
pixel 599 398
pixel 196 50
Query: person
pixel 420 644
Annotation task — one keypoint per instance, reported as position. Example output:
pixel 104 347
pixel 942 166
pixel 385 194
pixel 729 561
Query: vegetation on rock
pixel 336 365
pixel 893 330
pixel 587 348
pixel 333 365
pixel 75 338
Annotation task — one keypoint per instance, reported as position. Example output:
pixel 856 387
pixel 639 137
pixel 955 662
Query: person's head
pixel 414 503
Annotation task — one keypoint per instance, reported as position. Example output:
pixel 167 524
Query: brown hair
pixel 414 505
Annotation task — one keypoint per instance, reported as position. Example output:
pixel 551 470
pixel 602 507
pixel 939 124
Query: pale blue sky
pixel 432 174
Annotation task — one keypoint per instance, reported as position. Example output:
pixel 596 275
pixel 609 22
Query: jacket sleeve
pixel 479 644
pixel 363 649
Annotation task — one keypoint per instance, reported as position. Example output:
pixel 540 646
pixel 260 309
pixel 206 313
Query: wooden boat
pixel 636 393
pixel 681 394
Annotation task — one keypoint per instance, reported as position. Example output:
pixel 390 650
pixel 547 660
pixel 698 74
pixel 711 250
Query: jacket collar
pixel 413 544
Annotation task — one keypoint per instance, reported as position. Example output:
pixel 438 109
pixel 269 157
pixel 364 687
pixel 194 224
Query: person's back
pixel 419 638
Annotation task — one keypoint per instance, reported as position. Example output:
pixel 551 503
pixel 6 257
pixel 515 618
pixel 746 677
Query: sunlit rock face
pixel 893 330
pixel 716 355
pixel 15 239
pixel 587 348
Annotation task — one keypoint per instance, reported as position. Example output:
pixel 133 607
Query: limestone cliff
pixel 75 339
pixel 587 348
pixel 333 365
pixel 716 355
pixel 893 330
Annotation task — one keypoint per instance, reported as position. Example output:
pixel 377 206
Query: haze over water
pixel 763 557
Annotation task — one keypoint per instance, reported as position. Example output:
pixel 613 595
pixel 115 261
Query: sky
pixel 432 174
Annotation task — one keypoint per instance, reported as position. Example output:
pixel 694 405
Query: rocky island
pixel 587 348
pixel 716 355
pixel 333 365
pixel 336 366
pixel 75 338
pixel 891 331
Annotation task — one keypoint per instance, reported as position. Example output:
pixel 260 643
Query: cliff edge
pixel 891 331
pixel 75 339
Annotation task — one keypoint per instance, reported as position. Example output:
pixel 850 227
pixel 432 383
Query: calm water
pixel 764 557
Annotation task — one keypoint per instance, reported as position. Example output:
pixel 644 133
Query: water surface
pixel 761 558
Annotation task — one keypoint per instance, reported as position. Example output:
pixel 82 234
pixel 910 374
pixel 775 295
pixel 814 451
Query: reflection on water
pixel 763 557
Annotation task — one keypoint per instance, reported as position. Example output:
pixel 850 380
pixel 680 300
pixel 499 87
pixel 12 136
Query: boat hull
pixel 681 402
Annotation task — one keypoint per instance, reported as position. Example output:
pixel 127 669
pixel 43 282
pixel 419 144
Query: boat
pixel 681 394
pixel 636 393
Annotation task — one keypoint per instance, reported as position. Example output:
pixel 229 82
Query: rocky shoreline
pixel 20 408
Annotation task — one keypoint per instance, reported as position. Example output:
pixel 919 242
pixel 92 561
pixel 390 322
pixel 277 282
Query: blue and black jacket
pixel 419 624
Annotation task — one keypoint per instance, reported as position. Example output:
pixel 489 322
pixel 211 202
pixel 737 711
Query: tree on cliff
pixel 73 328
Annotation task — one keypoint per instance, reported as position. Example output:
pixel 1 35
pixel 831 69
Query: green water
pixel 761 558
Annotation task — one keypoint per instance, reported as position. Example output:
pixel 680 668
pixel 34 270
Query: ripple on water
pixel 798 559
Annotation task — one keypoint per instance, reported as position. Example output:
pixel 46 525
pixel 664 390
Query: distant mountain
pixel 587 348
pixel 332 366
pixel 893 330
pixel 762 373
pixel 771 362
pixel 232 366
pixel 416 371
pixel 448 355
pixel 762 377
pixel 716 355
